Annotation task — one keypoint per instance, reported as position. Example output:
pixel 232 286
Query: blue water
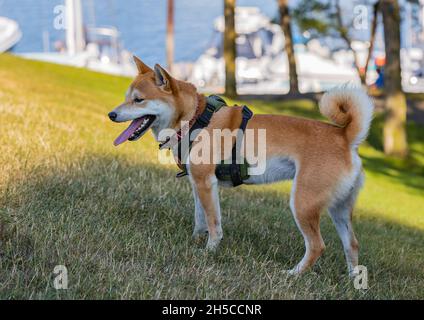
pixel 141 23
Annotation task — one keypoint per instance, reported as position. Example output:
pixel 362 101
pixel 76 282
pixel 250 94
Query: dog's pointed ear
pixel 142 68
pixel 164 80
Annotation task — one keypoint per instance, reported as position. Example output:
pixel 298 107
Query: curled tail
pixel 350 108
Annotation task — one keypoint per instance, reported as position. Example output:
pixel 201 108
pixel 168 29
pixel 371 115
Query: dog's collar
pixel 200 119
pixel 172 141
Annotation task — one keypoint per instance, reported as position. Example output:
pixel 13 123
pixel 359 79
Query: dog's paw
pixel 353 273
pixel 199 235
pixel 213 244
pixel 199 232
pixel 211 247
pixel 295 272
pixel 292 272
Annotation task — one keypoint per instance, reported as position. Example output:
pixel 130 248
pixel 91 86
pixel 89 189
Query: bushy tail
pixel 350 108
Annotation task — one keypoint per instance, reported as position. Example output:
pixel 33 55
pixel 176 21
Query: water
pixel 141 23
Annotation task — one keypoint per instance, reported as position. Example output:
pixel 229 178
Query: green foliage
pixel 315 16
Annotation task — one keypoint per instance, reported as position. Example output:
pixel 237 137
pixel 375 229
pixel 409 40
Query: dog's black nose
pixel 113 116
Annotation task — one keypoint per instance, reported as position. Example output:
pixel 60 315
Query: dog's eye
pixel 138 100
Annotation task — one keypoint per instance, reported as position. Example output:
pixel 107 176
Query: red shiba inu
pixel 322 158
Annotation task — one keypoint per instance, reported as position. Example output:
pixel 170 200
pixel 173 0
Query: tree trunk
pixel 170 35
pixel 230 48
pixel 395 141
pixel 285 25
pixel 374 24
pixel 345 36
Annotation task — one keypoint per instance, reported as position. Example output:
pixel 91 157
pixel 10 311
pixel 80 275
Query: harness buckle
pixel 164 143
pixel 247 113
pixel 181 174
pixel 205 117
pixel 210 108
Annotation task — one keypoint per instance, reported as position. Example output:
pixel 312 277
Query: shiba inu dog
pixel 322 158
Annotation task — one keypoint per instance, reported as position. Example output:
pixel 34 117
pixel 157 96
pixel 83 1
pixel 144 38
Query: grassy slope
pixel 122 224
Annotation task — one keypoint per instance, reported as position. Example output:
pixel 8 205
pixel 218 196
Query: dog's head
pixel 154 100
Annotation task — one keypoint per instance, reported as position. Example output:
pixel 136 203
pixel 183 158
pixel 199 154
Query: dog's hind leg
pixel 306 204
pixel 341 214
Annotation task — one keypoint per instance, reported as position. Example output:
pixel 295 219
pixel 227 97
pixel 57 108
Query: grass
pixel 121 223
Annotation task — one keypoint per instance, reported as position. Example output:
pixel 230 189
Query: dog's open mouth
pixel 137 128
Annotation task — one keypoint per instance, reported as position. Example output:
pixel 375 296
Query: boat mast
pixel 74 27
pixel 170 35
pixel 422 19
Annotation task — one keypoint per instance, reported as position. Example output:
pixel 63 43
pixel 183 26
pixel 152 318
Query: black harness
pixel 235 172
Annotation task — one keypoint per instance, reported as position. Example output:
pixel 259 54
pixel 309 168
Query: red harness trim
pixel 180 134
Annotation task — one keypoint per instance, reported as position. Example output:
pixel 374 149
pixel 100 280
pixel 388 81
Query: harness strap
pixel 235 168
pixel 213 104
pixel 236 172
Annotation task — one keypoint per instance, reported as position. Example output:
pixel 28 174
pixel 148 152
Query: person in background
pixel 379 83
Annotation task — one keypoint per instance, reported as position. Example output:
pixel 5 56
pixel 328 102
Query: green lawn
pixel 122 224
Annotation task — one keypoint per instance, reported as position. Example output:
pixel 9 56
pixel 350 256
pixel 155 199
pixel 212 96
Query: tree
pixel 285 21
pixel 170 35
pixel 325 17
pixel 394 132
pixel 374 23
pixel 230 48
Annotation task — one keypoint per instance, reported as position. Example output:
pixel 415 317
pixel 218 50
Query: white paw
pixel 353 273
pixel 212 244
pixel 198 234
pixel 200 231
pixel 294 272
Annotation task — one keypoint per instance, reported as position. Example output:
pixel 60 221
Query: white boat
pixel 261 62
pixel 10 34
pixel 95 48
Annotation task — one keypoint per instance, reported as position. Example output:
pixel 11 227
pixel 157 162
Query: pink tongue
pixel 128 132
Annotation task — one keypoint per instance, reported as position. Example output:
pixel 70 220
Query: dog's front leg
pixel 200 225
pixel 206 186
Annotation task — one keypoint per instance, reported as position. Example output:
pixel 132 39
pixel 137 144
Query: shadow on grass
pixel 405 176
pixel 405 171
pixel 124 231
